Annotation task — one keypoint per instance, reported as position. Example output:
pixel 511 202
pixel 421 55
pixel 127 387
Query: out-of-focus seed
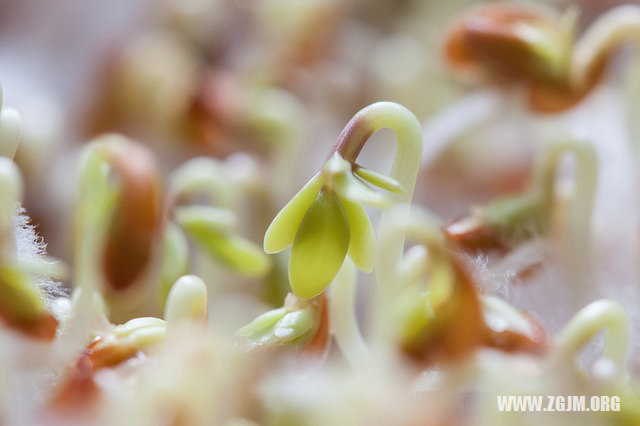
pixel 136 222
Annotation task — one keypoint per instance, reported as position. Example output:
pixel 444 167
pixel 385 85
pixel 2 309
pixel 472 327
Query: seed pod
pixel 136 222
pixel 456 327
pixel 510 42
pixel 502 224
pixel 21 305
pixel 79 390
pixel 510 329
pixel 318 346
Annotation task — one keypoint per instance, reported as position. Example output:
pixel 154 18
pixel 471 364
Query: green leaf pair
pixel 347 180
pixel 320 246
pixel 324 222
pixel 279 326
pixel 213 230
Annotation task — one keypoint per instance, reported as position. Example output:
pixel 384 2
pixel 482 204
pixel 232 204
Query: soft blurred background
pixel 276 80
pixel 70 68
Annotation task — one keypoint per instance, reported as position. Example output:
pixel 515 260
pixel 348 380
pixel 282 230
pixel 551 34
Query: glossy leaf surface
pixel 320 247
pixel 232 250
pixel 379 179
pixel 283 229
pixel 362 238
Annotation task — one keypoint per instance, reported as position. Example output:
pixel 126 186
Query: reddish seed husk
pixel 137 220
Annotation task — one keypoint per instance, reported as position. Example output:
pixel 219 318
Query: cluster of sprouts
pixel 197 295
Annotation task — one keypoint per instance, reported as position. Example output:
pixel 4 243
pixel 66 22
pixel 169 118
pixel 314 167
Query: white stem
pixel 11 187
pixel 344 320
pixel 404 169
pixel 613 28
pixel 91 215
pixel 425 229
pixel 10 131
pixel 588 322
pixel 578 220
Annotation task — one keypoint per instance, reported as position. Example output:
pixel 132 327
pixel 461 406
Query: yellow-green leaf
pixel 284 227
pixel 293 325
pixel 320 247
pixel 379 179
pixel 210 227
pixel 206 217
pixel 262 324
pixel 362 238
pixel 352 188
pixel 236 252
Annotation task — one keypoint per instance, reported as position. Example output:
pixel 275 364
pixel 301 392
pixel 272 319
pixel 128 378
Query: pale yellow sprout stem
pixel 578 217
pixel 424 229
pixel 403 123
pixel 406 161
pixel 344 321
pixel 11 190
pixel 10 130
pixel 619 25
pixel 11 185
pixel 588 322
pixel 93 205
pixel 404 170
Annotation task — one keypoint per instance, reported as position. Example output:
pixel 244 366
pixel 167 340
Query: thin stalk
pixel 404 170
pixel 588 322
pixel 408 131
pixel 578 219
pixel 343 316
pixel 619 25
pixel 11 190
pixel 424 229
pixel 213 179
pixel 10 130
pixel 406 161
pixel 92 210
pixel 204 176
